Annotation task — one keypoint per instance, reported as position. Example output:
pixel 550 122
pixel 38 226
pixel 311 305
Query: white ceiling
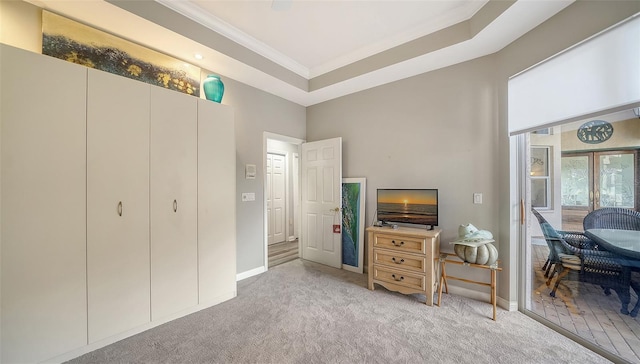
pixel 315 37
pixel 312 38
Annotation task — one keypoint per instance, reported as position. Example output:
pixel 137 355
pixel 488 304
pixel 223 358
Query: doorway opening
pixel 282 198
pixel 316 166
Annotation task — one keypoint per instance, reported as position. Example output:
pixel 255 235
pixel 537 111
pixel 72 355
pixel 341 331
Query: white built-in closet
pixel 117 202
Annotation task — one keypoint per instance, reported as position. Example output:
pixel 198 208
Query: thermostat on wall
pixel 250 171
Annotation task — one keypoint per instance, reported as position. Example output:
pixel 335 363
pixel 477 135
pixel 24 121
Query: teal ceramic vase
pixel 213 88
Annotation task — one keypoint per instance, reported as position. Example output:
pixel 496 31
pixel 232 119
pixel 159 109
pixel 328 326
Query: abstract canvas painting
pixel 78 43
pixel 353 211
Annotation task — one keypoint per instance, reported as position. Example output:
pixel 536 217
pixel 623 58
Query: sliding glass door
pixel 566 178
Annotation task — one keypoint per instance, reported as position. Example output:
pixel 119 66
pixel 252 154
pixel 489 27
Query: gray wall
pixel 435 130
pixel 256 112
pixel 448 129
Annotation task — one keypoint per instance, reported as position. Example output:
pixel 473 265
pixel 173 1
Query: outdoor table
pixel 621 242
pixel 626 244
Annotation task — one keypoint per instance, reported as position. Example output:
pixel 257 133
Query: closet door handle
pixel 175 205
pixel 120 208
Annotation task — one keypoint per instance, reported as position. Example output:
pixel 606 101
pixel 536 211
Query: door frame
pixel 569 212
pixel 594 177
pixel 266 136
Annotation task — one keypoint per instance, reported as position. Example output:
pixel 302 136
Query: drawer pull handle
pixel 397 244
pixel 397 279
pixel 397 261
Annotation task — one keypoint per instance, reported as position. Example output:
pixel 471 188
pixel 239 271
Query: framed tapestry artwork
pixel 353 211
pixel 78 43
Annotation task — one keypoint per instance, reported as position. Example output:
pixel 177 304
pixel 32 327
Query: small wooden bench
pixel 454 259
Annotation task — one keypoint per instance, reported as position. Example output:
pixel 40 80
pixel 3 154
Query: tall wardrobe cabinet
pixel 117 203
pixel 174 205
pixel 43 196
pixel 216 202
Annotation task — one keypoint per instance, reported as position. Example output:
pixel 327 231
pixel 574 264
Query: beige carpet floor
pixel 302 312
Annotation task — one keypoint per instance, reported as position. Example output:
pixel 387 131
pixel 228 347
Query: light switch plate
pixel 477 198
pixel 250 171
pixel 248 196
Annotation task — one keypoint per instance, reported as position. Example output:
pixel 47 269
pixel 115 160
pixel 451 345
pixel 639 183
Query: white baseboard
pixel 508 305
pixel 123 335
pixel 250 273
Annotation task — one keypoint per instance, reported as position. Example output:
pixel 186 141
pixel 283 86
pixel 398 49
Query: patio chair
pixel 612 218
pixel 577 239
pixel 587 265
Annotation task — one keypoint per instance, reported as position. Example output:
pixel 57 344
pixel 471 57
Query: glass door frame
pixel 570 212
pixel 597 179
pixel 520 233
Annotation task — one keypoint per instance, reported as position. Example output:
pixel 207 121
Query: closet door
pixel 216 202
pixel 276 198
pixel 174 254
pixel 43 206
pixel 117 204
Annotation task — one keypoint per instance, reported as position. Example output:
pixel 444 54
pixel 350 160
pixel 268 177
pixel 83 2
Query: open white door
pixel 321 201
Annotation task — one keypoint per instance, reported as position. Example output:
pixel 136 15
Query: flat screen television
pixel 408 206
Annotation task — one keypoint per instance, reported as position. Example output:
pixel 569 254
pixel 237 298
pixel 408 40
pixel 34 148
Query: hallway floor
pixel 283 252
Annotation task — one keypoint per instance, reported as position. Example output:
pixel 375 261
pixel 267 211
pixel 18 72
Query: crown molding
pixel 109 16
pixel 434 25
pixel 201 16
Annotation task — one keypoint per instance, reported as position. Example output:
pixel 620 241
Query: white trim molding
pixel 250 273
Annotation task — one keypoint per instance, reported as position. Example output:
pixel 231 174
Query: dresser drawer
pixel 400 260
pixel 407 244
pixel 411 280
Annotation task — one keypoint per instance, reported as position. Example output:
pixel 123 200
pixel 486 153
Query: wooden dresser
pixel 402 259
